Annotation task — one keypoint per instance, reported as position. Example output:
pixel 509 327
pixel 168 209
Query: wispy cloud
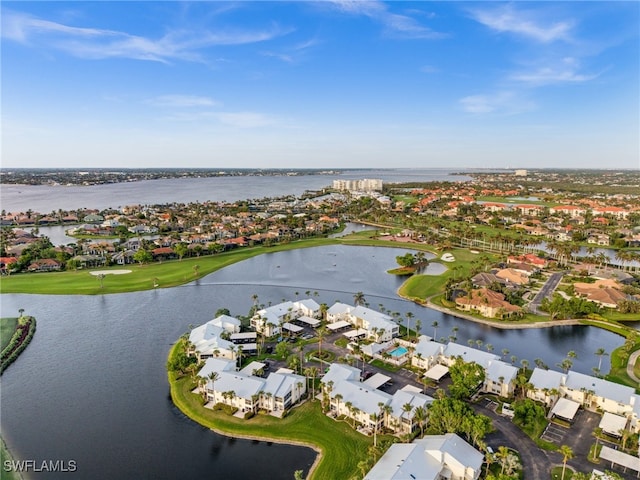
pixel 94 43
pixel 504 102
pixel 293 53
pixel 567 70
pixel 526 23
pixel 181 101
pixel 241 119
pixel 395 24
pixel 429 69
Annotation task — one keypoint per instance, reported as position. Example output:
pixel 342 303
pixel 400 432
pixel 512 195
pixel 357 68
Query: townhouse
pixel 248 392
pixel 271 320
pixel 589 392
pixel 433 457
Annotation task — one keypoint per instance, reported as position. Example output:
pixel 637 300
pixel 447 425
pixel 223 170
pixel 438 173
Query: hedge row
pixel 18 343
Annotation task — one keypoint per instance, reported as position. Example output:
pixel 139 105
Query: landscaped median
pixel 340 447
pixel 25 328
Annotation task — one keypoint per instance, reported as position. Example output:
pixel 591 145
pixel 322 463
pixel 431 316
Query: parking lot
pixel 554 433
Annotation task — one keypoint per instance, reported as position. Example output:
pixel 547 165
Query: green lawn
pixel 7 329
pixel 5 456
pixel 341 446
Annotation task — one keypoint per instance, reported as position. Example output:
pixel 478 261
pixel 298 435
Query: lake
pixel 92 385
pixel 48 198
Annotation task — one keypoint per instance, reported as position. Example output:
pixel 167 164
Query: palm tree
pixel 501 455
pixel 567 454
pixel 213 376
pixel 358 298
pixel 435 325
pixel 600 352
pixel 338 397
pixel 505 352
pixel 21 312
pixel 409 316
pixel 321 332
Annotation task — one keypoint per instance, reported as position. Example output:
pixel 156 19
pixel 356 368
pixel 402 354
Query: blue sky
pixel 321 84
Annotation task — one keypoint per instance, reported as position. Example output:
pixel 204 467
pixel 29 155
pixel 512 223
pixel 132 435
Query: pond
pixel 92 386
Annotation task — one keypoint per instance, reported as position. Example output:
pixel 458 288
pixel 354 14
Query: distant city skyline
pixel 328 84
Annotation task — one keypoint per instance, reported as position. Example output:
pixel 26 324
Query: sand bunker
pixel 109 272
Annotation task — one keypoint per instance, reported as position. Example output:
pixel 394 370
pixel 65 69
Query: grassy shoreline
pixel 304 425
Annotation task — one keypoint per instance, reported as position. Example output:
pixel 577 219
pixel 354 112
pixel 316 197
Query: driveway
pixel 545 292
pixel 536 462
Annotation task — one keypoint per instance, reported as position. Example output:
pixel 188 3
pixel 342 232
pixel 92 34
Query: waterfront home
pixel 210 340
pixel 515 276
pixel 488 303
pixel 248 392
pixel 499 376
pixel 427 353
pixel 368 406
pixel 590 392
pixel 269 321
pixel 379 327
pixel 430 458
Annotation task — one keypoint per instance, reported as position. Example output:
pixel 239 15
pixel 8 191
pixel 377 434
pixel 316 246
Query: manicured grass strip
pixel 341 447
pixel 5 456
pixel 142 277
pixel 7 329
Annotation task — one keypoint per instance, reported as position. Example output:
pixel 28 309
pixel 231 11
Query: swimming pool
pixel 398 352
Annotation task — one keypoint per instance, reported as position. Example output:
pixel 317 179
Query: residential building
pixel 433 457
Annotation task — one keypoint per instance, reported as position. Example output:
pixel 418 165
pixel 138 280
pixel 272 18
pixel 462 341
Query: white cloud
pixel 245 119
pixel 548 76
pixel 525 23
pixel 505 102
pixel 93 43
pixel 395 24
pixel 181 101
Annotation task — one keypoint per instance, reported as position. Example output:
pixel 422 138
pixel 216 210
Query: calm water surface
pixel 46 198
pixel 92 387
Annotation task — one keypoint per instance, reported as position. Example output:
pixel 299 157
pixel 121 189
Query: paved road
pixel 536 463
pixel 545 292
pixel 633 358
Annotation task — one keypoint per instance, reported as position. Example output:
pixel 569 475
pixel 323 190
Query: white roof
pixel 612 424
pixel 602 388
pixel 278 310
pixel 498 369
pixel 411 389
pixel 223 320
pixel 541 379
pixel 253 366
pixel 375 319
pixel 620 458
pixel 308 303
pixel 243 335
pixel 377 380
pixel 426 348
pixel 426 459
pixel 216 365
pixel 338 325
pixel 242 385
pixel 206 338
pixel 469 354
pixel 291 327
pixel 339 372
pixel 437 372
pixel 565 409
pixel 339 308
pixel 355 333
pixel 309 321
pixel 372 348
pixel 361 396
pixel 279 384
pixel 403 397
